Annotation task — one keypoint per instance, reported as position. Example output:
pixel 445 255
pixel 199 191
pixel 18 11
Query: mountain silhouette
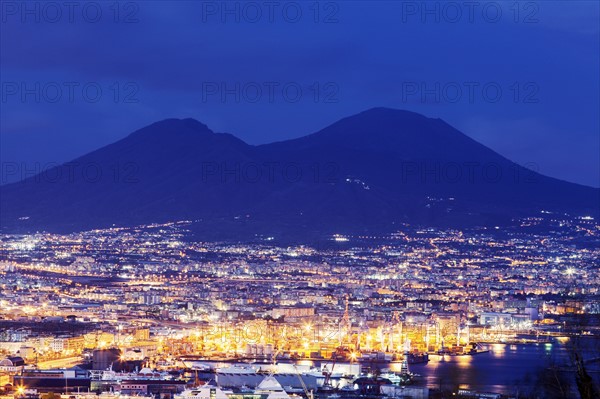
pixel 370 172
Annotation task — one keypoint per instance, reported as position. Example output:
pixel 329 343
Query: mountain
pixel 369 172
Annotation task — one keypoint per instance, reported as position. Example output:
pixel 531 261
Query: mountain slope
pixel 407 152
pixel 367 172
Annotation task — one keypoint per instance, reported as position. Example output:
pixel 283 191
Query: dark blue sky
pixel 522 78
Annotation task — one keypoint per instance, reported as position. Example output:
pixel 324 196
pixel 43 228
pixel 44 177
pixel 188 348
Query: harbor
pixel 491 370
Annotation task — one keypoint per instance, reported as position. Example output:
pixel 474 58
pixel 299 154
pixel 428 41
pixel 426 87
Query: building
pixel 292 312
pixel 495 319
pixel 13 364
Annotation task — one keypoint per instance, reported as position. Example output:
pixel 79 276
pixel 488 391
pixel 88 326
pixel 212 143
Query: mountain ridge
pixel 369 171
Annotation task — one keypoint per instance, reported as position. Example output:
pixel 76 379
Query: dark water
pixel 504 369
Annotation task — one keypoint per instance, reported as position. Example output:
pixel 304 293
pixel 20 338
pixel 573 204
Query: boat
pixel 239 369
pixel 204 392
pixel 251 376
pixel 415 358
pixel 271 388
pixel 291 389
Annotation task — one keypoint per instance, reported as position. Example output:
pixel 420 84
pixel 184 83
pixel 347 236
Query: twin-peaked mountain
pixel 368 172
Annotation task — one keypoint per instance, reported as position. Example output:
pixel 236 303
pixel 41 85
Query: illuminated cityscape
pixel 149 297
pixel 324 199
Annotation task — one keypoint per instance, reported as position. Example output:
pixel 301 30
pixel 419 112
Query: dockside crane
pixel 327 373
pixel 309 394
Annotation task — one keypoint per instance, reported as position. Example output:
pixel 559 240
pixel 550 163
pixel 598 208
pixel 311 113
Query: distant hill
pixel 369 172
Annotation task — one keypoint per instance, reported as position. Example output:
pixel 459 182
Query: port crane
pixel 327 373
pixel 309 394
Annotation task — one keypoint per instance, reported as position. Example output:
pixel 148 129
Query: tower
pixel 346 324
